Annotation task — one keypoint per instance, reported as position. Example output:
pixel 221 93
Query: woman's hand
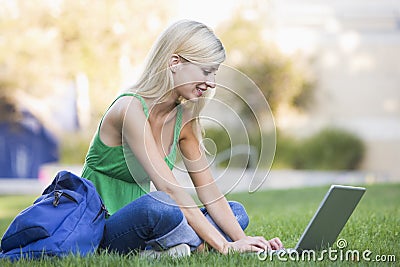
pixel 253 244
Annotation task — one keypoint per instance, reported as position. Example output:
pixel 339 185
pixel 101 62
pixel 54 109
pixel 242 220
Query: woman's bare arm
pixel 206 188
pixel 212 198
pixel 138 135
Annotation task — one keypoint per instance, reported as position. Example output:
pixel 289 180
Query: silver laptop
pixel 330 218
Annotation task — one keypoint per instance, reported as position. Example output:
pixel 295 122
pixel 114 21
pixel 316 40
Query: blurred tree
pixel 280 78
pixel 45 44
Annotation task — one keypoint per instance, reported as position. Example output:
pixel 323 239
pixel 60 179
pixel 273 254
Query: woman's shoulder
pixel 125 106
pixel 131 106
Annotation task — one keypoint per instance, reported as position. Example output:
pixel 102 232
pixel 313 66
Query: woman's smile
pixel 200 91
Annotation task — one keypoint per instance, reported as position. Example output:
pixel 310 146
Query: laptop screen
pixel 330 218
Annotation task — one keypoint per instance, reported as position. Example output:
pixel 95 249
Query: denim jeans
pixel 154 221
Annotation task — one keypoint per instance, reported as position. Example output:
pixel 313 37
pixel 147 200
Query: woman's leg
pixel 155 221
pixel 240 215
pixel 151 220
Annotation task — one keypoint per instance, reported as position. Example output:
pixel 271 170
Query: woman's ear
pixel 174 62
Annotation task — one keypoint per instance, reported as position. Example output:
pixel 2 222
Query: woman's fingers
pixel 248 244
pixel 279 242
pixel 256 244
pixel 263 243
pixel 259 243
pixel 273 244
pixel 276 244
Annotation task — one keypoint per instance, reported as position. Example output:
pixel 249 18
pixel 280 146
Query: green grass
pixel 374 226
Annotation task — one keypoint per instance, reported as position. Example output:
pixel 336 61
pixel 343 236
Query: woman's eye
pixel 206 72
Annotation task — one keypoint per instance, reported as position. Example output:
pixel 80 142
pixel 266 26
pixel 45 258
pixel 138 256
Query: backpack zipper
pixel 102 209
pixel 57 196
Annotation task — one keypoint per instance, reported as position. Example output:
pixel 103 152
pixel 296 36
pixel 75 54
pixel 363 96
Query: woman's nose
pixel 211 81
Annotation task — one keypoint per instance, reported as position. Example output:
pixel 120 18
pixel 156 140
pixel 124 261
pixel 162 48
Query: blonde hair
pixel 191 40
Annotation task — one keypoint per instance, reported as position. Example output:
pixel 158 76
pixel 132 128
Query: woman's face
pixel 192 80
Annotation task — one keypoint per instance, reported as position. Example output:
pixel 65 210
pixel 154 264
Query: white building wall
pixel 355 47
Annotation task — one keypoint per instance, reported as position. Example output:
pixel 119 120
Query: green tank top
pixel 116 173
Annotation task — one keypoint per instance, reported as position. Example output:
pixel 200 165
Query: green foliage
pixel 329 149
pixel 278 79
pixel 286 152
pixel 219 137
pixel 223 143
pixel 377 217
pixel 282 79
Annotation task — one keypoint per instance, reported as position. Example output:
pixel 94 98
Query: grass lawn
pixel 374 226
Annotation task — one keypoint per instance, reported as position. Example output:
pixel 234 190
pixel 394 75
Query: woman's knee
pixel 162 209
pixel 240 213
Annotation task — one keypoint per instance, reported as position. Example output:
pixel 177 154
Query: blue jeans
pixel 155 221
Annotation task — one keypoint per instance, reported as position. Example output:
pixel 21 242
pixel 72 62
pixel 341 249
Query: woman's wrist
pixel 225 248
pixel 238 235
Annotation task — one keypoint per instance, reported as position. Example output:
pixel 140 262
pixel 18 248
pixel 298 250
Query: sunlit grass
pixel 10 206
pixel 374 226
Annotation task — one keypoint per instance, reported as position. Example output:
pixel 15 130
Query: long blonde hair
pixel 192 40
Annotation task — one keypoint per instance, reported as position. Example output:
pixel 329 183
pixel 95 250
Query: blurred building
pixel 24 146
pixel 355 49
pixel 31 128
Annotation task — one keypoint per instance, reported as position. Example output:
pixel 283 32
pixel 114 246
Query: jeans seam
pixel 125 233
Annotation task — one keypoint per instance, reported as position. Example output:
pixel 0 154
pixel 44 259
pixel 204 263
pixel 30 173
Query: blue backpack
pixel 69 217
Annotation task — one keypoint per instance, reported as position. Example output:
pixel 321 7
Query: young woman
pixel 137 142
